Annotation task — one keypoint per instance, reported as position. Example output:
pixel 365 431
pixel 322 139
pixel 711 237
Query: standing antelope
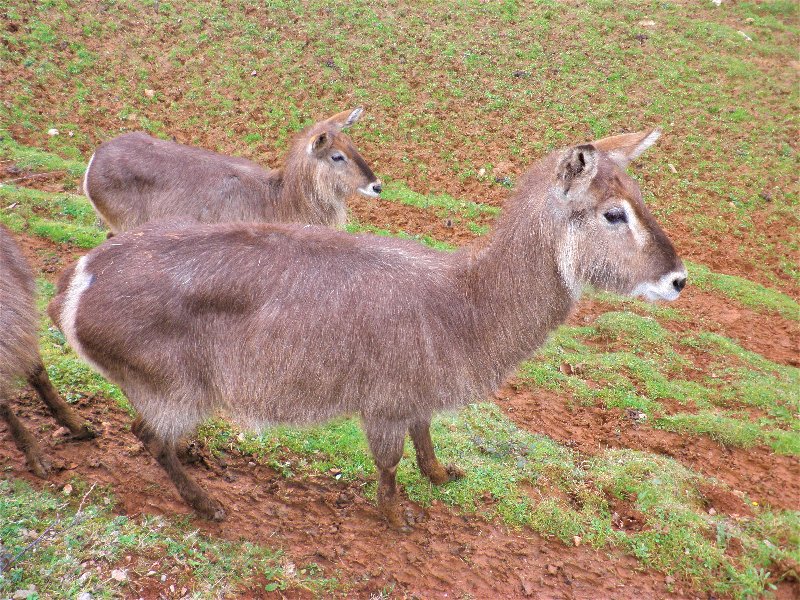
pixel 298 324
pixel 135 178
pixel 19 354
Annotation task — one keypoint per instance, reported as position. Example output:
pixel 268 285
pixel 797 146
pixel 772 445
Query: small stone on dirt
pixel 67 489
pixel 119 575
pixel 83 596
pixel 527 587
pixel 672 168
pixel 669 580
pixel 149 93
pixel 577 540
pixel 711 511
pixel 552 569
pixel 52 132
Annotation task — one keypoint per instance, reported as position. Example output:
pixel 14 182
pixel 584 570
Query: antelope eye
pixel 338 157
pixel 616 215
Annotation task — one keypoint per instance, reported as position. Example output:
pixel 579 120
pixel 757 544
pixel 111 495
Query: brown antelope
pixel 136 178
pixel 19 355
pixel 298 324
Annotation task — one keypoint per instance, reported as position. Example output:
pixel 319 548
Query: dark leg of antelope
pixel 62 411
pixel 164 452
pixel 386 443
pixel 34 457
pixel 426 457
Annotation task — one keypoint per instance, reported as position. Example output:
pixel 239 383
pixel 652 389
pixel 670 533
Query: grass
pixel 464 104
pixel 71 542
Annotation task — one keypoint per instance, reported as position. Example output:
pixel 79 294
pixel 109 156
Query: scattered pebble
pixel 83 596
pixel 67 489
pixel 647 23
pixel 577 540
pixel 253 73
pixel 119 575
pixel 712 511
pixel 672 168
pixel 745 36
pixel 60 432
pixel 481 172
pixel 52 132
pixel 149 93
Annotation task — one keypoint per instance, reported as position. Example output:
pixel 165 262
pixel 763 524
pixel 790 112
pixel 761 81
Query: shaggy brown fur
pixel 297 324
pixel 19 354
pixel 136 178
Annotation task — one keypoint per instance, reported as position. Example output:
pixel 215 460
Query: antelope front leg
pixel 164 452
pixel 62 411
pixel 426 457
pixel 34 457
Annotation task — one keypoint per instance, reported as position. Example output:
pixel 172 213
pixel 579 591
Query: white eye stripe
pixel 640 234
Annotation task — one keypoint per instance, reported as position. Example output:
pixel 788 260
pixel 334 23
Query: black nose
pixel 377 187
pixel 679 283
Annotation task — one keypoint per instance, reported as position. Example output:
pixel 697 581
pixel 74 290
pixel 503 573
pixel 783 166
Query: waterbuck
pixel 19 354
pixel 136 178
pixel 275 323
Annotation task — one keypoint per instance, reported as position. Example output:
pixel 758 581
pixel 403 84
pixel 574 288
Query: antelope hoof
pixel 395 518
pixel 38 464
pixel 86 431
pixel 442 474
pixel 454 472
pixel 211 510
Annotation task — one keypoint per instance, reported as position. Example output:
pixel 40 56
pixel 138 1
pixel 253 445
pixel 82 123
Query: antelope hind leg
pixel 426 457
pixel 34 457
pixel 164 452
pixel 62 411
pixel 386 445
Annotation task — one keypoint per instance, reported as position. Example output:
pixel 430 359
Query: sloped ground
pixel 645 452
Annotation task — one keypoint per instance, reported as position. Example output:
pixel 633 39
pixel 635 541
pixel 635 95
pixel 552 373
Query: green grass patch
pixel 61 218
pixel 746 292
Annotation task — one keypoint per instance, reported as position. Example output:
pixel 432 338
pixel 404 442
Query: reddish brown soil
pixel 764 476
pixel 318 519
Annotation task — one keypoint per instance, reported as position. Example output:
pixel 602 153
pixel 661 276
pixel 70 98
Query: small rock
pixel 52 132
pixel 552 569
pixel 672 168
pixel 712 511
pixel 163 578
pixel 83 596
pixel 60 432
pixel 150 93
pixel 669 580
pixel 646 23
pixel 527 587
pixel 745 36
pixel 577 540
pixel 481 172
pixel 67 489
pixel 253 73
pixel 119 575
pixel 521 74
pixel 70 133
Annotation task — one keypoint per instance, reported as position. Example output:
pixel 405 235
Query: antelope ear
pixel 344 119
pixel 629 146
pixel 578 167
pixel 319 143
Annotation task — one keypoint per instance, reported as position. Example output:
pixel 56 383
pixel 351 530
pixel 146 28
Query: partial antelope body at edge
pixel 136 178
pixel 298 324
pixel 19 355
